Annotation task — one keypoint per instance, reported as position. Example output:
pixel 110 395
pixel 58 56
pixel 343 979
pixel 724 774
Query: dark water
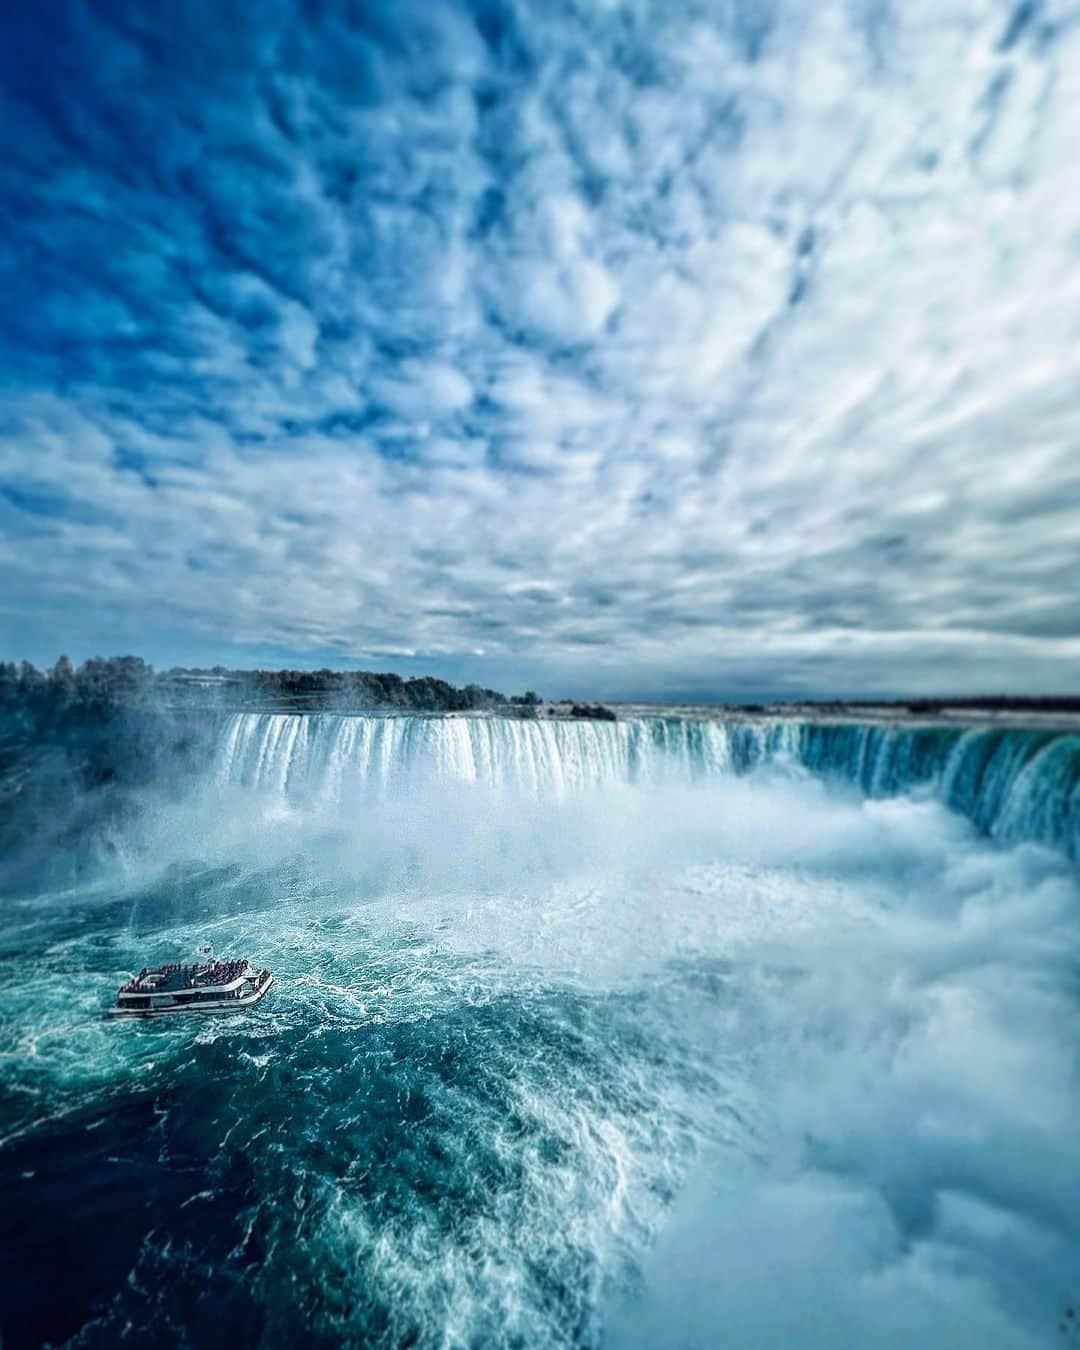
pixel 554 1058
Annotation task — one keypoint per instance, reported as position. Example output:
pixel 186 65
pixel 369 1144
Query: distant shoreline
pixel 112 686
pixel 951 713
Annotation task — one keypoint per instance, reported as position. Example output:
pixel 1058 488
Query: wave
pixel 1015 785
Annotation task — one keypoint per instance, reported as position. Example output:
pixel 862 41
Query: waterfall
pixel 1013 784
pixel 296 753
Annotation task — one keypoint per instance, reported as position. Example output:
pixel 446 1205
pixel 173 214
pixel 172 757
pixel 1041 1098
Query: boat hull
pixel 210 1008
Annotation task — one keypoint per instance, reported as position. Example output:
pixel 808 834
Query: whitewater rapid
pixel 1014 784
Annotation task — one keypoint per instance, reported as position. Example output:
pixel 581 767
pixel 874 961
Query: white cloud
pixel 754 343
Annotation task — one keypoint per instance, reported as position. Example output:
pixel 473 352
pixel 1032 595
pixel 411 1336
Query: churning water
pixel 656 1033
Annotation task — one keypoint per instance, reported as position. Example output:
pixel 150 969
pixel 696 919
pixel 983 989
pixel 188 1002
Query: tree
pixel 63 673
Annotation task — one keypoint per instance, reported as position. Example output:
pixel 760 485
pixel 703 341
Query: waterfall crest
pixel 1013 784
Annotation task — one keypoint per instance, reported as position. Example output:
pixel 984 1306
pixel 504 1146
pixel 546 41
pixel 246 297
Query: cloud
pixel 743 335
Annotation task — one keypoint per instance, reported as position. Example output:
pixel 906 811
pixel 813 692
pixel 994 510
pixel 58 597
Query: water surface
pixel 660 1033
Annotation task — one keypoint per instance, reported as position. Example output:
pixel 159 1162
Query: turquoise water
pixel 655 1034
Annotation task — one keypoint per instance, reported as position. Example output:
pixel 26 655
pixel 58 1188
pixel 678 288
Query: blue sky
pixel 640 349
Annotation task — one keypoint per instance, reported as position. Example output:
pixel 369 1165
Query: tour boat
pixel 208 987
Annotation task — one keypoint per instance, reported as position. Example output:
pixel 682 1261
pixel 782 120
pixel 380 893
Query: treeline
pixel 999 703
pixel 119 680
pixel 103 722
pixel 128 680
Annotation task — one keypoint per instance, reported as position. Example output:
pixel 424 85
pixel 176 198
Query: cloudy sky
pixel 633 347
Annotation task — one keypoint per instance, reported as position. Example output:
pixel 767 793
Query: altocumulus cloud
pixel 641 347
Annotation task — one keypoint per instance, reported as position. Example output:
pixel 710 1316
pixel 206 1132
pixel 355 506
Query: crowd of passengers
pixel 218 972
pixel 214 972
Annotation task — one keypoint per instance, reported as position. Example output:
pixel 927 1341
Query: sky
pixel 634 348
